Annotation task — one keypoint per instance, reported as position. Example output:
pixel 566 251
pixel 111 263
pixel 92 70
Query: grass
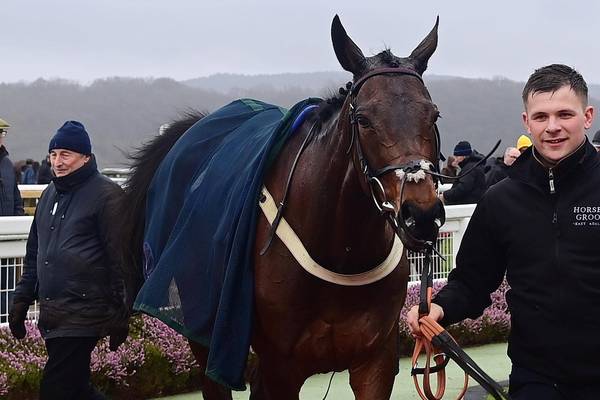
pixel 492 358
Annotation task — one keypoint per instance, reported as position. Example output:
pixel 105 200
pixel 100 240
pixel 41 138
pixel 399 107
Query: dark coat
pixel 44 173
pixel 547 244
pixel 10 197
pixel 71 265
pixel 497 172
pixel 470 188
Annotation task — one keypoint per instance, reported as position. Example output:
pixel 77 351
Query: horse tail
pixel 144 162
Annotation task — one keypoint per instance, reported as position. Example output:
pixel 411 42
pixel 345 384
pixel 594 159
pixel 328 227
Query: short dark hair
pixel 551 78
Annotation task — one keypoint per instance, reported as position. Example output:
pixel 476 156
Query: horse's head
pixel 391 119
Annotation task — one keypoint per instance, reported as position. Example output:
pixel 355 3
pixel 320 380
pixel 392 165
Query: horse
pixel 354 182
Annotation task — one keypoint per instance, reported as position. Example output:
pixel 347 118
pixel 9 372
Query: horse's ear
pixel 348 53
pixel 425 49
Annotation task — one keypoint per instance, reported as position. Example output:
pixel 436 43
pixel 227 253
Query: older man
pixel 70 268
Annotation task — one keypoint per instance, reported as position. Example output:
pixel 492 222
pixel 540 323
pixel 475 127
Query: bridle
pixel 411 170
pixel 437 344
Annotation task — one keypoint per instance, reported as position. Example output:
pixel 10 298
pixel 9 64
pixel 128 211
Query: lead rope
pixel 439 345
pixel 423 344
pixel 329 386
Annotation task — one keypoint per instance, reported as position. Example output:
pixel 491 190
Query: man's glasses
pixel 3 133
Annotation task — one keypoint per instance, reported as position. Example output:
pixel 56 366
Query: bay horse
pixel 359 182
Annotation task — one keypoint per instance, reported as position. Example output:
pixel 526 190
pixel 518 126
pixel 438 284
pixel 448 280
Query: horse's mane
pixel 132 207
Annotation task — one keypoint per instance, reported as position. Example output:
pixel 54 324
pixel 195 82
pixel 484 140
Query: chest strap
pixel 300 254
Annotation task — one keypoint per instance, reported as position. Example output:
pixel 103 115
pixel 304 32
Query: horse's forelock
pixel 385 59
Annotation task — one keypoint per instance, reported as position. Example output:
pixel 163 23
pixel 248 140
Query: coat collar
pixel 528 169
pixel 69 182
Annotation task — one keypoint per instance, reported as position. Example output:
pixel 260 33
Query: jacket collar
pixel 528 169
pixel 69 182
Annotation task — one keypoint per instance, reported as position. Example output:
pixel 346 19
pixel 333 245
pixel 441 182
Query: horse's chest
pixel 335 343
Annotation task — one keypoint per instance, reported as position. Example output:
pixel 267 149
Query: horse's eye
pixel 362 121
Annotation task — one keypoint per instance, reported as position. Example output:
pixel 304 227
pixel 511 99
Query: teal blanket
pixel 200 228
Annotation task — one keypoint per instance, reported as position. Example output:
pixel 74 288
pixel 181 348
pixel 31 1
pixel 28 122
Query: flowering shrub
pixel 493 326
pixel 154 361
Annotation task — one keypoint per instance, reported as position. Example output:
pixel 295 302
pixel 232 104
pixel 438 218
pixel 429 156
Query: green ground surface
pixel 492 358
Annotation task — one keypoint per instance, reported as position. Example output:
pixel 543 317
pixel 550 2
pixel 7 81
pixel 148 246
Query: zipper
pixel 556 228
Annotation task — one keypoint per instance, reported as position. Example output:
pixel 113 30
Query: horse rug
pixel 201 215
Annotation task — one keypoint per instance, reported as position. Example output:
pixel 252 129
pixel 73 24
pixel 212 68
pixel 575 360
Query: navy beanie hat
pixel 463 148
pixel 71 136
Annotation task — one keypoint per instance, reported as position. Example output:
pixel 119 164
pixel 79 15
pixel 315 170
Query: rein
pixel 438 345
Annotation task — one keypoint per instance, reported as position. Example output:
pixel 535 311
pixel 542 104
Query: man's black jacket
pixel 496 173
pixel 470 188
pixel 71 265
pixel 540 226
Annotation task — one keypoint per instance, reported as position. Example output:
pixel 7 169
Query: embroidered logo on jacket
pixel 586 216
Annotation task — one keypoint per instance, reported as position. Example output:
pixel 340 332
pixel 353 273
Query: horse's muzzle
pixel 421 225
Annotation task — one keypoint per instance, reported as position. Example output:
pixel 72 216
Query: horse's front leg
pixel 275 379
pixel 373 378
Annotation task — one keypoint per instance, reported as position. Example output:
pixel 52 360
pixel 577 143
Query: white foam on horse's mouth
pixel 415 176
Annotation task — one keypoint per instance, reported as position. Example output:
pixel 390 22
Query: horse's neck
pixel 340 225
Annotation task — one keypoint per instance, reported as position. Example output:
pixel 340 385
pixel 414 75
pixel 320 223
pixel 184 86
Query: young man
pixel 70 268
pixel 540 227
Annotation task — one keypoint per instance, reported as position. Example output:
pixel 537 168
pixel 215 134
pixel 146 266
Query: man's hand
pixel 16 319
pixel 118 337
pixel 412 317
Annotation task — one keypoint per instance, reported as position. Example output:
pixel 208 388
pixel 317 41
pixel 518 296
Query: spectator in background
pixel 523 143
pixel 29 177
pixel 449 170
pixel 10 197
pixel 596 140
pixel 470 188
pixel 500 170
pixel 45 172
pixel 11 204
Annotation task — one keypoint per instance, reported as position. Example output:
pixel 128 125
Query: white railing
pixel 14 231
pixel 448 242
pixel 13 238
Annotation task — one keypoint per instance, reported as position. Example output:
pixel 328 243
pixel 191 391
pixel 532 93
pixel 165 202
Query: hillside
pixel 121 113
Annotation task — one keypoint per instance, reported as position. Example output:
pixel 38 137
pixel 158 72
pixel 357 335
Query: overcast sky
pixel 85 39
